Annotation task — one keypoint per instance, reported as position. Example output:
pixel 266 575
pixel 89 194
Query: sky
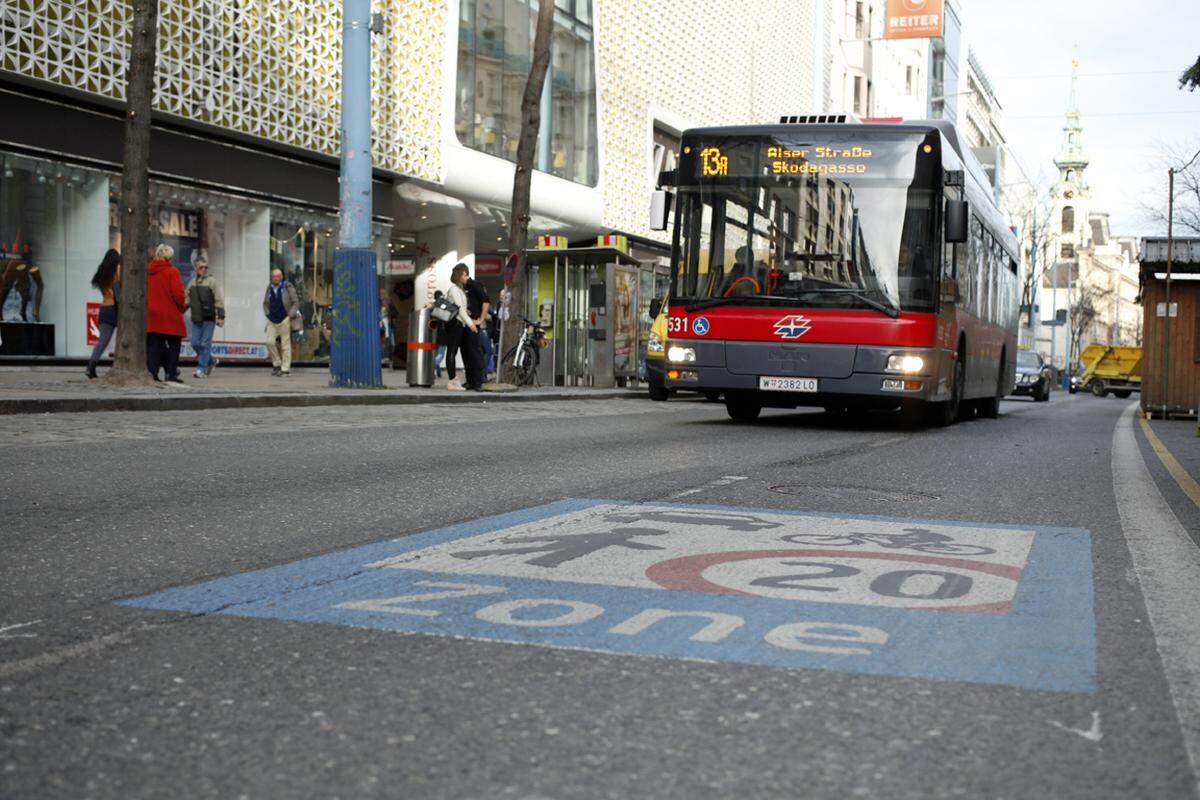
pixel 1130 56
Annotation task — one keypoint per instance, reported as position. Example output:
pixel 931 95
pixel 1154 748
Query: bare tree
pixel 1187 191
pixel 1031 214
pixel 518 232
pixel 1086 306
pixel 129 366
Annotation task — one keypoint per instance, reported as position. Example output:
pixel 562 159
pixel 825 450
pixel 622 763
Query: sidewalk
pixel 37 390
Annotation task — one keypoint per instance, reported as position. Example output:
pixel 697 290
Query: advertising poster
pixel 913 19
pixel 625 323
pixel 181 228
pixel 93 324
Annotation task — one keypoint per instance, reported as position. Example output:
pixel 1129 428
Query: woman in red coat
pixel 165 304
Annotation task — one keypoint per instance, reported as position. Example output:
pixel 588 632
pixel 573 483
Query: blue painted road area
pixel 945 600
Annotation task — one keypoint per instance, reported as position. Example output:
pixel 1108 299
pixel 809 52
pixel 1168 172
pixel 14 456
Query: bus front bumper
pixel 858 374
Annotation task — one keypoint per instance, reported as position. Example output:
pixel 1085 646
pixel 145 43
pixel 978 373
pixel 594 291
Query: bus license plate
pixel 788 384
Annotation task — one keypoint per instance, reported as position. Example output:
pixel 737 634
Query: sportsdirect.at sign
pixel 913 19
pixel 956 601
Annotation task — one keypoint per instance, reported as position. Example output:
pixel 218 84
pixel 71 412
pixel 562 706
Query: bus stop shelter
pixel 595 304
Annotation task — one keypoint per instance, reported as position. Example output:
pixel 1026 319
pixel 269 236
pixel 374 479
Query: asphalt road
pixel 104 700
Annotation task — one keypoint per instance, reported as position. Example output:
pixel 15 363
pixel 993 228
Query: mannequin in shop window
pixel 20 272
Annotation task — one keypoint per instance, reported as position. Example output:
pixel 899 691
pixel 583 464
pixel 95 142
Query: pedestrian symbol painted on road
pixel 917 598
pixel 700 326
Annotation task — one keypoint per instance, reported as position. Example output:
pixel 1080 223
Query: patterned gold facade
pixel 691 63
pixel 264 68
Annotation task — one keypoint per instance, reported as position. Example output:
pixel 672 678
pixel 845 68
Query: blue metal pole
pixel 355 359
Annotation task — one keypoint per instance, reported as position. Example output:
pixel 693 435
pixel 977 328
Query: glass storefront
pixel 54 231
pixel 57 221
pixel 494 53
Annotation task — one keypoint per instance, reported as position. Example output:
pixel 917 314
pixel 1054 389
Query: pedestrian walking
pixel 165 304
pixel 478 306
pixel 108 280
pixel 462 334
pixel 281 305
pixel 207 304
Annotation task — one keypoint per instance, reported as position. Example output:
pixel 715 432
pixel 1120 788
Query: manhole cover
pixel 859 492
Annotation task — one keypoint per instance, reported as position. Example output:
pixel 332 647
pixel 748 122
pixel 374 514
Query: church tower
pixel 1072 195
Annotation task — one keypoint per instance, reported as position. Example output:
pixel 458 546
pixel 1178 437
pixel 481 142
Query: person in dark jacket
pixel 479 310
pixel 108 280
pixel 463 333
pixel 165 304
pixel 281 306
pixel 207 304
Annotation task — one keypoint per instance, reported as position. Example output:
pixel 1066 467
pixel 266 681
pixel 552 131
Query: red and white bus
pixel 846 265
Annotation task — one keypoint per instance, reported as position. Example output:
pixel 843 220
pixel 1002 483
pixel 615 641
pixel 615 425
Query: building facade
pixel 245 141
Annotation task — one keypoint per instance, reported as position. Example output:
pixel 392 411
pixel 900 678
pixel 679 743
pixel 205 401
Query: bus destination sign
pixel 775 159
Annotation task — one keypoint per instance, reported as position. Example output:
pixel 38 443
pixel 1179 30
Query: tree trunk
pixel 531 106
pixel 129 366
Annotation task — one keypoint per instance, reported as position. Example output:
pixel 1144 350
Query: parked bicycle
pixel 527 352
pixel 917 539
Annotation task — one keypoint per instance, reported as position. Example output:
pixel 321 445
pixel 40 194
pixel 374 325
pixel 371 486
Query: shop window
pixel 494 57
pixel 53 233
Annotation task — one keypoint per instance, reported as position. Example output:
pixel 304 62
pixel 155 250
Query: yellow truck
pixel 1110 370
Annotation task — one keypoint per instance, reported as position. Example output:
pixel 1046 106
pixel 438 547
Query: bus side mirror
pixel 655 307
pixel 660 209
pixel 956 221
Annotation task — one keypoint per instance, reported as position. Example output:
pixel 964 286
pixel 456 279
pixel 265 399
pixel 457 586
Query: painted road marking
pixel 724 480
pixel 1186 482
pixel 5 632
pixel 920 598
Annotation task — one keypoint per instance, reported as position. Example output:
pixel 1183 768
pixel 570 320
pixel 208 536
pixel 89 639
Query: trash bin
pixel 421 346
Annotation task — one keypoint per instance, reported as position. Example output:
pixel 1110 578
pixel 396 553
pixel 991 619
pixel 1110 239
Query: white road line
pixel 1092 734
pixel 722 481
pixel 1167 564
pixel 4 632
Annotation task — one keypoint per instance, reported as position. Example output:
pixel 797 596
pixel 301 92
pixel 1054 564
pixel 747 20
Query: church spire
pixel 1071 161
pixel 1073 103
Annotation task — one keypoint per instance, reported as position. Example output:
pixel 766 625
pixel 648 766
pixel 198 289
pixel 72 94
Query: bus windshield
pixel 828 219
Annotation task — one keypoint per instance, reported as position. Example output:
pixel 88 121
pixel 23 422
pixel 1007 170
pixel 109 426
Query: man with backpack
pixel 207 304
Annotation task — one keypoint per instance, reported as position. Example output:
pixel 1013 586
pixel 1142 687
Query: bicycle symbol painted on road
pixel 919 540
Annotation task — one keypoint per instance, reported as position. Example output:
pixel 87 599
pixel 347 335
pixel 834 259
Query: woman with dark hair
pixel 108 280
pixel 457 336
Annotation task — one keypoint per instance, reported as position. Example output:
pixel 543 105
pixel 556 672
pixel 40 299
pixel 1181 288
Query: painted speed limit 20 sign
pixel 918 598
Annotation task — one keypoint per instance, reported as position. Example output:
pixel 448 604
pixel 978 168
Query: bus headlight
pixel 654 344
pixel 681 355
pixel 907 364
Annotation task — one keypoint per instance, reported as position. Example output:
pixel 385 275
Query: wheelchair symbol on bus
pixel 700 326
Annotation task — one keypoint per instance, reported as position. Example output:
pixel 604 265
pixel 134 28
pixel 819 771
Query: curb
pixel 61 405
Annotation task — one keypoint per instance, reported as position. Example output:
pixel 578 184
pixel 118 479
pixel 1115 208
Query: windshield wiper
pixel 860 294
pixel 733 298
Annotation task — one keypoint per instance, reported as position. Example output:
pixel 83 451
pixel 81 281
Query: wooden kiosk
pixel 1171 328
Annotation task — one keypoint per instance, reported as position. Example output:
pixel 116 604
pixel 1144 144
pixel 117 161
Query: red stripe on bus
pixel 825 326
